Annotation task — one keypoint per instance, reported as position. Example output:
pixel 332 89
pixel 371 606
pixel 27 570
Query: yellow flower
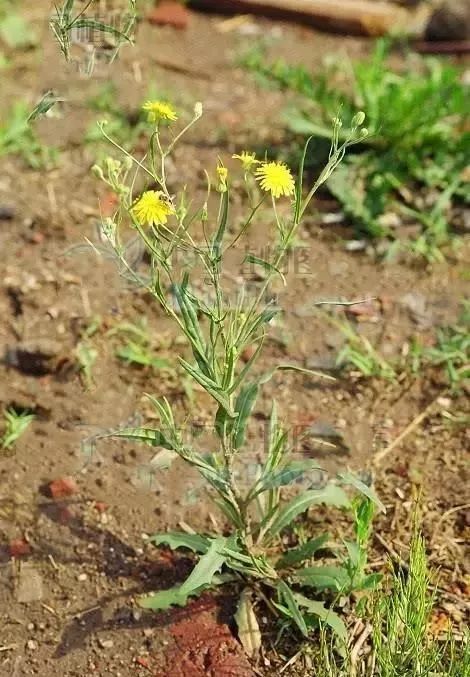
pixel 247 160
pixel 151 208
pixel 222 173
pixel 276 178
pixel 159 110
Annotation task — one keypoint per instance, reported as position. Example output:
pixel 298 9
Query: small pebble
pixel 106 643
pixel 32 645
pixel 82 577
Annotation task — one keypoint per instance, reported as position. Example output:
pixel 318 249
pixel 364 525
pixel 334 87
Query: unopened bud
pixel 97 171
pixel 197 109
pixel 358 119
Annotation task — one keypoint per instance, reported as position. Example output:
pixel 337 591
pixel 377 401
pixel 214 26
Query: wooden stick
pixel 361 17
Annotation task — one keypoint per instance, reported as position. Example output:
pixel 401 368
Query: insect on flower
pixel 152 208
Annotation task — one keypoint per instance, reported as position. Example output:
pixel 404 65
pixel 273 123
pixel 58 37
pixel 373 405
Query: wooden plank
pixel 359 17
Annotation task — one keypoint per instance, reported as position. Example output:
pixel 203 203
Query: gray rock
pixel 30 587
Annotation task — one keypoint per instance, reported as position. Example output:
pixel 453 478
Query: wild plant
pixel 69 23
pixel 185 244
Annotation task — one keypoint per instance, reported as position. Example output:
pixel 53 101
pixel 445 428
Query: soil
pixel 81 554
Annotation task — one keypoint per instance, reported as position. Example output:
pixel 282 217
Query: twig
pixel 357 647
pixel 344 303
pixel 393 553
pixel 446 514
pixel 409 428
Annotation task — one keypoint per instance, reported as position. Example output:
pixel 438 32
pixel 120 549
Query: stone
pixel 30 587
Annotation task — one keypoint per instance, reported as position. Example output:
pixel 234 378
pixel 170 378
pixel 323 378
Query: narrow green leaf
pixel 224 205
pixel 229 510
pixel 354 553
pixel 349 478
pixel 331 577
pixel 210 386
pixel 208 565
pixel 327 616
pixel 287 475
pixel 101 27
pixel 241 376
pixel 302 552
pixel 164 599
pixel 153 437
pixel 243 407
pixel 289 599
pixel 293 367
pixel 43 106
pixel 330 495
pixel 298 192
pixel 175 540
pixel 268 267
pixel 371 581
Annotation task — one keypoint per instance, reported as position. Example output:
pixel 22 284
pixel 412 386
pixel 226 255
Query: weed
pixel 184 242
pixel 398 641
pixel 451 351
pixel 138 349
pixel 86 357
pixel 402 642
pixel 17 137
pixel 359 352
pixel 411 163
pixel 70 24
pixel 16 422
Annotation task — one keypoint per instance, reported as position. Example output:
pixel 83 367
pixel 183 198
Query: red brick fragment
pixel 169 13
pixel 63 487
pixel 19 548
pixel 109 203
pixel 100 506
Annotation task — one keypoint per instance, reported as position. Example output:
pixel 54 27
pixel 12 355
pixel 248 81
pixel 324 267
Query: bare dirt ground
pixel 87 558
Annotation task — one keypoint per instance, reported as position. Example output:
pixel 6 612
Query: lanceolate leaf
pixel 175 540
pixel 210 386
pixel 164 599
pixel 101 27
pixel 153 437
pixel 302 552
pixel 244 405
pixel 251 258
pixel 292 367
pixel 330 495
pixel 287 475
pixel 331 577
pixel 208 565
pixel 328 616
pixel 289 599
pixel 349 478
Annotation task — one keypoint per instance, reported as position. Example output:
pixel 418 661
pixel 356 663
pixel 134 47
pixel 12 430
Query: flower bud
pixel 358 119
pixel 97 171
pixel 197 109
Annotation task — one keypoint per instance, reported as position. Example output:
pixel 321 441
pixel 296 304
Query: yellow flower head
pixel 222 174
pixel 159 110
pixel 151 208
pixel 276 178
pixel 247 160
